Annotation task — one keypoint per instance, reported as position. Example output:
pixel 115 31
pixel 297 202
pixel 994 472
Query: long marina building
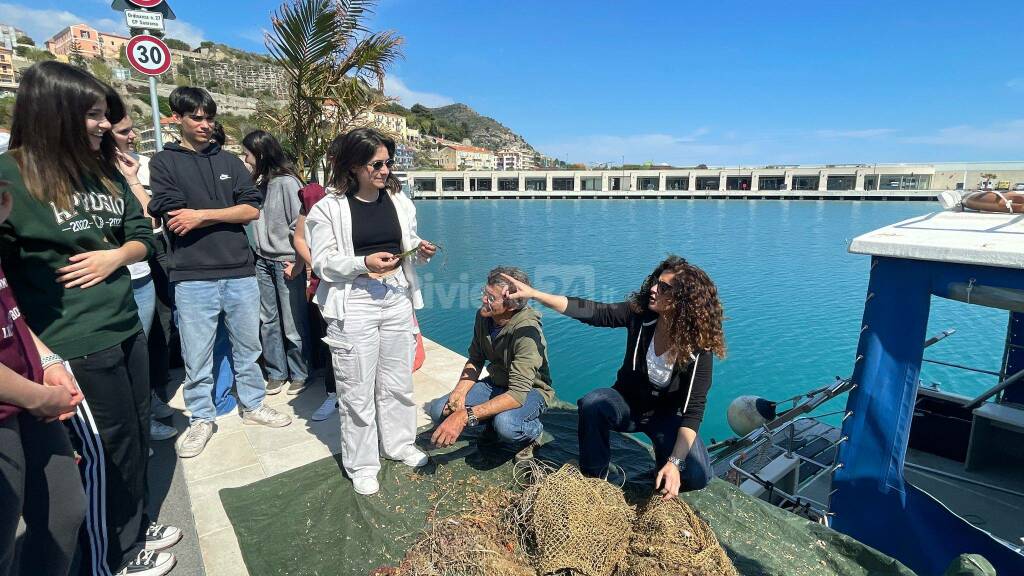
pixel 833 181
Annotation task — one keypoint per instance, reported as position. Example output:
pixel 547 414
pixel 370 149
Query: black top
pixel 211 179
pixel 375 226
pixel 687 391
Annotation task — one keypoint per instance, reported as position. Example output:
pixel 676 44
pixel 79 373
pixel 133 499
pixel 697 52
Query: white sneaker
pixel 158 408
pixel 194 439
pixel 266 416
pixel 160 431
pixel 414 458
pixel 366 485
pixel 329 407
pixel 149 563
pixel 161 536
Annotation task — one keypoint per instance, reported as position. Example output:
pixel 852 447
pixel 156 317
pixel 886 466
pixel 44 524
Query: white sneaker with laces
pixel 160 431
pixel 149 563
pixel 194 439
pixel 266 416
pixel 329 407
pixel 161 537
pixel 366 485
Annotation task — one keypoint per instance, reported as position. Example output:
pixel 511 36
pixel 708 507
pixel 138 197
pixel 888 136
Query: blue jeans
pixel 284 322
pixel 516 427
pixel 223 372
pixel 145 301
pixel 604 409
pixel 199 304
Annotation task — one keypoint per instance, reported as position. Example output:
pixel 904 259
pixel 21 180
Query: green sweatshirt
pixel 38 238
pixel 517 356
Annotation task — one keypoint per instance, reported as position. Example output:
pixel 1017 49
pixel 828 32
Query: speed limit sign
pixel 148 54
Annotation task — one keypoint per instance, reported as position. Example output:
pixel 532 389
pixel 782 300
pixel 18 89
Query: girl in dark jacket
pixel 674 326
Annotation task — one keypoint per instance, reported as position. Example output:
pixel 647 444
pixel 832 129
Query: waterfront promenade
pixel 829 182
pixel 238 455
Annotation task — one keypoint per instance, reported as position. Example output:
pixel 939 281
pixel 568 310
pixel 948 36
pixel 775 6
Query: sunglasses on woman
pixel 663 287
pixel 377 165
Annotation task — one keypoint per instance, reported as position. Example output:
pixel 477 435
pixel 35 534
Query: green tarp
pixel 308 521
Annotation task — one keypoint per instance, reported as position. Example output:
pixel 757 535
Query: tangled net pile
pixel 565 524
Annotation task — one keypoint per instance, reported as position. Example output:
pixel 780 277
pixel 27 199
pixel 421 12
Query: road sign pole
pixel 154 104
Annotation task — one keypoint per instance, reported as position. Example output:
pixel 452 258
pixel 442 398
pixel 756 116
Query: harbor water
pixel 793 295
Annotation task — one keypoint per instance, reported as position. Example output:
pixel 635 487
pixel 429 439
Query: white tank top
pixel 659 369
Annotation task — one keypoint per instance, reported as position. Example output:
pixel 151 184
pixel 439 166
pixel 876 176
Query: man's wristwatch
pixel 678 462
pixel 50 360
pixel 471 418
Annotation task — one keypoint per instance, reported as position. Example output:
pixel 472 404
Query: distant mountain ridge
pixel 459 121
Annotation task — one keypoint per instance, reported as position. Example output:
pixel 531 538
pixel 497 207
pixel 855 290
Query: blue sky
pixel 723 83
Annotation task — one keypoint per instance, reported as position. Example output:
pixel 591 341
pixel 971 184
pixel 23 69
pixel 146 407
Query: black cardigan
pixel 687 391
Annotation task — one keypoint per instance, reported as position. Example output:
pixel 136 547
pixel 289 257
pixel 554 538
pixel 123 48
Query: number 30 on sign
pixel 148 54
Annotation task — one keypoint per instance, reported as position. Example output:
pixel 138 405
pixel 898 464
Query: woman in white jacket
pixel 367 294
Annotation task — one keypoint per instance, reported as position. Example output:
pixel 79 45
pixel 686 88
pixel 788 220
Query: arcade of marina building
pixel 882 181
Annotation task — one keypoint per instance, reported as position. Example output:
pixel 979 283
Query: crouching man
pixel 509 339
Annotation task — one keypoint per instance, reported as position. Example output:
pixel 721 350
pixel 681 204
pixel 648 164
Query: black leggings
pixel 38 480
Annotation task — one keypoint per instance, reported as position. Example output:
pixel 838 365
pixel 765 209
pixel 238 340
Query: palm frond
pixel 372 56
pixel 335 69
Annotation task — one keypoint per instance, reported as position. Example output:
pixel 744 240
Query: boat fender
pixel 747 413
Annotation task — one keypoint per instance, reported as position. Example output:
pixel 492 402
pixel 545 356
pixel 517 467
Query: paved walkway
pixel 238 455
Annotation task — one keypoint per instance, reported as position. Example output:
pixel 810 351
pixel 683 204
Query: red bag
pixel 421 354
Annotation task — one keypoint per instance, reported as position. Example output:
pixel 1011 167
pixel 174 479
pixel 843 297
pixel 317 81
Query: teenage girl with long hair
pixel 74 228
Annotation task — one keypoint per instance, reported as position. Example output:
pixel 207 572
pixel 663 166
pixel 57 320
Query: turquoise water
pixel 793 296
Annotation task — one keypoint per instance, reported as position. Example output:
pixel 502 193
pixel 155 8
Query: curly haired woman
pixel 674 325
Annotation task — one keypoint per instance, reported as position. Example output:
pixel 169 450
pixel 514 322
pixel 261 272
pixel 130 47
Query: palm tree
pixel 335 69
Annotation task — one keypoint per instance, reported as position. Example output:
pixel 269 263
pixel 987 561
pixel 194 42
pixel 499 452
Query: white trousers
pixel 373 349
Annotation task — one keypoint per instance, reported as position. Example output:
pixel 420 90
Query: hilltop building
pixel 462 157
pixel 89 42
pixel 169 129
pixel 9 36
pixel 514 160
pixel 7 79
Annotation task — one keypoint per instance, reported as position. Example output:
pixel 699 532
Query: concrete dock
pixel 238 455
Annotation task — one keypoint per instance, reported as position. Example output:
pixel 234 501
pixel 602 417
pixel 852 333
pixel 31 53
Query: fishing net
pixel 577 523
pixel 669 538
pixel 567 524
pixel 469 544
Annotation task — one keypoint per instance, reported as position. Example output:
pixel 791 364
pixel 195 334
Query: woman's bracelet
pixel 50 360
pixel 136 183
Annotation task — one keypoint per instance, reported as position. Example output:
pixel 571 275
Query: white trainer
pixel 414 458
pixel 149 563
pixel 366 485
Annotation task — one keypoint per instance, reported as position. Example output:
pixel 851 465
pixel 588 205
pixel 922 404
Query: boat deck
pixel 992 499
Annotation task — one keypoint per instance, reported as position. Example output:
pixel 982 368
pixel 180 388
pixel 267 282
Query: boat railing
pixel 764 440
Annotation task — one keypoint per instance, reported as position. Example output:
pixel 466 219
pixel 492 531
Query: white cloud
pixel 1015 84
pixel 253 35
pixel 856 134
pixel 42 24
pixel 184 31
pixel 1005 136
pixel 393 86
